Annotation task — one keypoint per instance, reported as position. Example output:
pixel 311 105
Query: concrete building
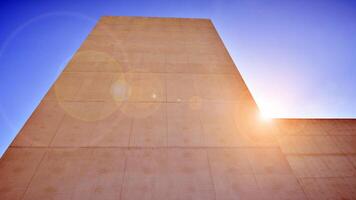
pixel 154 108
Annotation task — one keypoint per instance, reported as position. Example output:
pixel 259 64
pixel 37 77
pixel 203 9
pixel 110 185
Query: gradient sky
pixel 298 58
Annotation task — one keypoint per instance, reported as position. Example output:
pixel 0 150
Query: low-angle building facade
pixel 155 108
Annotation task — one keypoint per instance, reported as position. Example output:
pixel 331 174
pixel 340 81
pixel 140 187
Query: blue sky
pixel 297 57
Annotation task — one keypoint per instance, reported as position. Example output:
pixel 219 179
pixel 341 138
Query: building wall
pixel 154 108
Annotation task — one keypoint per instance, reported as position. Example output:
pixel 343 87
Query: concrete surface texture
pixel 154 108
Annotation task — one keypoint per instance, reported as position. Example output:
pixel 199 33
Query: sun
pixel 265 116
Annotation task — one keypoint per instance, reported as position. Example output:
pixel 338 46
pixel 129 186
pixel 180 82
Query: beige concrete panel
pixel 149 129
pixel 95 87
pixel 180 88
pixel 146 87
pixel 280 187
pixel 308 144
pixel 79 123
pixel 41 126
pixel 78 174
pixel 328 188
pixel 184 126
pixel 167 174
pixel 233 175
pixel 112 131
pixel 269 161
pixel 302 127
pixel 347 144
pixel 321 166
pixel 17 167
